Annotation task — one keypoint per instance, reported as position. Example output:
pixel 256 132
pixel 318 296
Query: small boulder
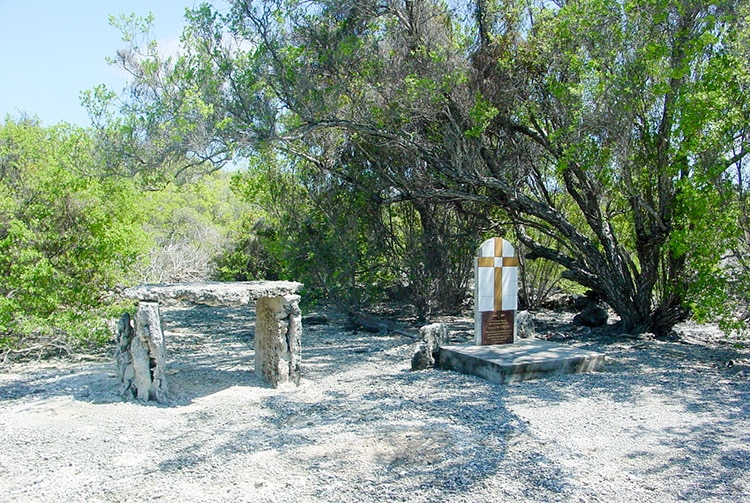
pixel 422 359
pixel 524 324
pixel 431 338
pixel 591 316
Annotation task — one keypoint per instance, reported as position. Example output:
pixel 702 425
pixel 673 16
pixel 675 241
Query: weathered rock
pixel 140 354
pixel 432 337
pixel 125 334
pixel 213 293
pixel 591 316
pixel 278 334
pixel 524 325
pixel 278 327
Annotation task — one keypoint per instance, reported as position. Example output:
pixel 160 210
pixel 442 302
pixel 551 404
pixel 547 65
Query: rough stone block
pixel 278 334
pixel 140 354
pixel 432 337
pixel 240 293
pixel 524 325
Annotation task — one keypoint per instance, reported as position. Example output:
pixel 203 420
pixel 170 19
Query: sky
pixel 51 50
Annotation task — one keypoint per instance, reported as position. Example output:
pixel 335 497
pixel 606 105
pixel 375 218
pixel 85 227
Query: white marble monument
pixel 495 292
pixel 496 355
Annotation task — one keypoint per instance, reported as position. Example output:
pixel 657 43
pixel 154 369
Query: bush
pixel 66 234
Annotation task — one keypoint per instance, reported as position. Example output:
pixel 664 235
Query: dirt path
pixel 666 421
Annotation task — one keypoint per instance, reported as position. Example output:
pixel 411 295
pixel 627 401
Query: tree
pixel 631 110
pixel 607 126
pixel 347 247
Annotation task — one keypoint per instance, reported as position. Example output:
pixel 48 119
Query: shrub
pixel 66 234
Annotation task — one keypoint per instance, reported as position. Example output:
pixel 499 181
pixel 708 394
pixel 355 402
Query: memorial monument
pixel 277 337
pixel 496 355
pixel 495 292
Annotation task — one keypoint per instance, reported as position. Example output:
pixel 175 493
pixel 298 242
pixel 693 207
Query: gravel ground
pixel 665 421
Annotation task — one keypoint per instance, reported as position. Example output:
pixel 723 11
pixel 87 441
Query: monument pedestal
pixel 498 356
pixel 523 360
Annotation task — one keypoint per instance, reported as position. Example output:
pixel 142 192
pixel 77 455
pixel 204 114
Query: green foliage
pixel 66 235
pixel 481 114
pixel 309 232
pixel 705 231
pixel 638 106
pixel 190 225
pixel 346 246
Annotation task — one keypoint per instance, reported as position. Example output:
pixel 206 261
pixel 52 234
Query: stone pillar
pixel 432 337
pixel 140 354
pixel 278 334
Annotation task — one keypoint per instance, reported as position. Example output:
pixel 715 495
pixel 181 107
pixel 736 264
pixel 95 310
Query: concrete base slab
pixel 520 361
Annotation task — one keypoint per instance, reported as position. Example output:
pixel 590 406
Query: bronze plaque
pixel 497 327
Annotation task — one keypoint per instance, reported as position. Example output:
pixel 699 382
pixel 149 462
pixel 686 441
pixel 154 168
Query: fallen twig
pixel 378 326
pixel 41 349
